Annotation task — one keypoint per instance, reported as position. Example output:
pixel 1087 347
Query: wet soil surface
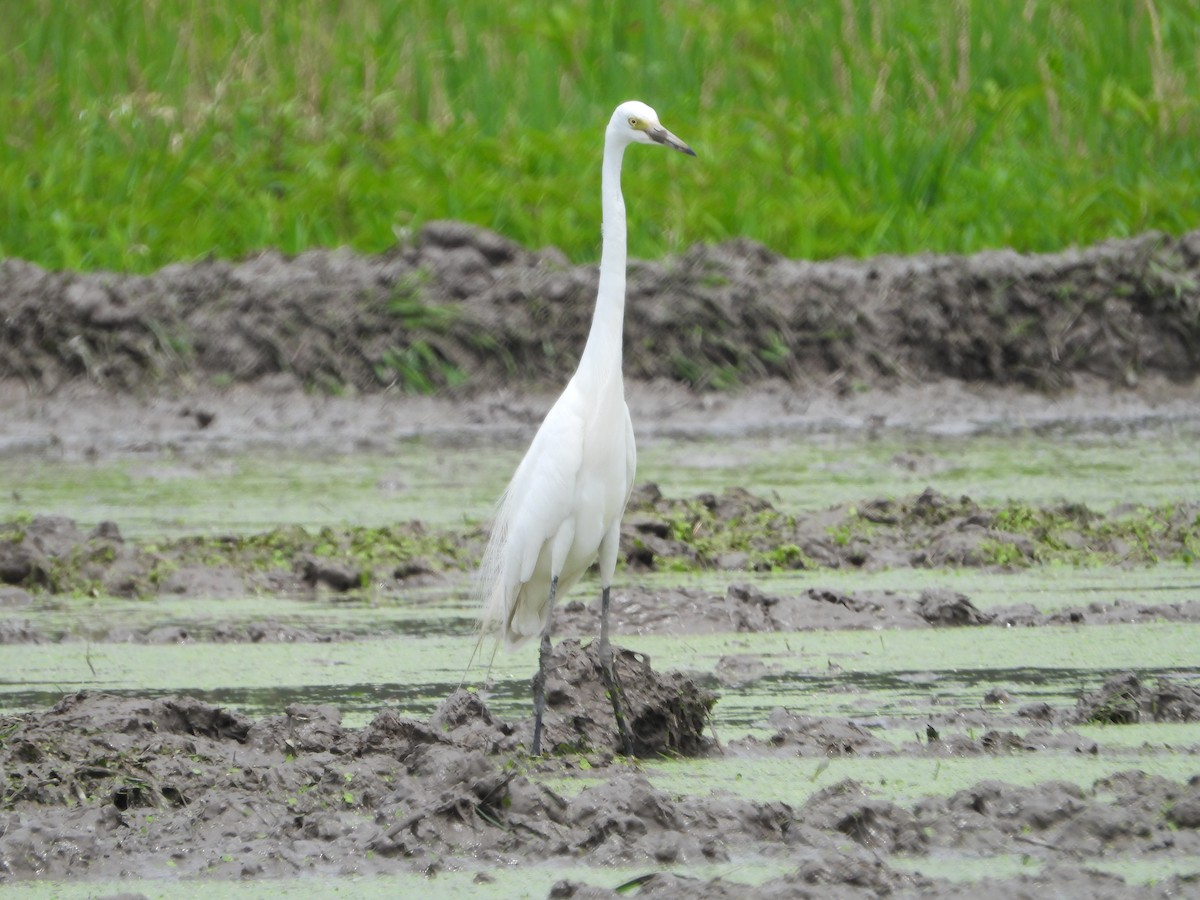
pixel 98 784
pixel 317 352
pixel 103 786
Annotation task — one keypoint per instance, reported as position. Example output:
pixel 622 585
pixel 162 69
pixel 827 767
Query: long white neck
pixel 602 353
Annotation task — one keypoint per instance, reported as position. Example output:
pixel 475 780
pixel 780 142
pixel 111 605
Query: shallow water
pixel 418 648
pixel 844 673
pixel 901 779
pixel 513 883
pixel 160 492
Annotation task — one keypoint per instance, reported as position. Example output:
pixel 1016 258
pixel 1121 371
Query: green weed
pixel 140 134
pixel 417 369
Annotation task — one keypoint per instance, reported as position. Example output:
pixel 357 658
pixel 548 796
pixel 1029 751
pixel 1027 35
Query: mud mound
pixel 820 736
pixel 101 785
pixel 737 530
pixel 32 554
pixel 1055 815
pixel 1098 613
pixel 1125 700
pixel 52 554
pixel 667 714
pixel 951 733
pixel 461 305
pixel 1055 820
pixel 732 530
pixel 1058 823
pixel 836 875
pixel 747 608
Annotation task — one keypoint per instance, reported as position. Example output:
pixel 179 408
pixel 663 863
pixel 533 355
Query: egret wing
pixel 534 506
pixel 543 489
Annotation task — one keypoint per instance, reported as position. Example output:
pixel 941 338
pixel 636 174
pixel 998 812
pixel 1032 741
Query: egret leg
pixel 611 683
pixel 539 680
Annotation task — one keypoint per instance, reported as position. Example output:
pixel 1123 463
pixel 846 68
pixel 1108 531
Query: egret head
pixel 636 123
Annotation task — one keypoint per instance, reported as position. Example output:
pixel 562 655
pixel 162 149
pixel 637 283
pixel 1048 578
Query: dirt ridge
pixel 460 309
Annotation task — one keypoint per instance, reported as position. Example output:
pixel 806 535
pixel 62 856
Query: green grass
pixel 136 134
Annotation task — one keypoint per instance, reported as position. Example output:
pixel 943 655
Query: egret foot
pixel 611 683
pixel 539 680
pixel 539 694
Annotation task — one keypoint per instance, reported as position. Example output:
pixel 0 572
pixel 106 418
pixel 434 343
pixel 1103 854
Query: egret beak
pixel 660 135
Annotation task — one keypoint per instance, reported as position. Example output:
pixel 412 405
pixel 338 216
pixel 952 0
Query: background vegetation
pixel 141 132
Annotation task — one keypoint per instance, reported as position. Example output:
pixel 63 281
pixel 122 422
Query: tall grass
pixel 139 132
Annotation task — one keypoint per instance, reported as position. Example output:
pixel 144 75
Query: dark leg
pixel 610 676
pixel 539 680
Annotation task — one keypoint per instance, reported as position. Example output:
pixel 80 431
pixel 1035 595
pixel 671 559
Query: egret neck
pixel 601 357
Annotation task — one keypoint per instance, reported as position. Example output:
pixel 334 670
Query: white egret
pixel 562 510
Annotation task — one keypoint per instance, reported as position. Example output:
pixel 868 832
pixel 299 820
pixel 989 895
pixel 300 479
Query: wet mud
pixel 329 350
pixel 102 786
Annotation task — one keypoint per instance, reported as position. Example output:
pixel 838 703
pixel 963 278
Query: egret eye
pixel 633 121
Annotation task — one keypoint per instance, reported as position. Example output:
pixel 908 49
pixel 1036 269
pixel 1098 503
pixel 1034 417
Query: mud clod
pixel 667 714
pixel 1125 700
pixel 875 824
pixel 945 608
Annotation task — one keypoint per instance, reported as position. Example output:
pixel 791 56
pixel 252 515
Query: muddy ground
pixel 98 784
pixel 331 351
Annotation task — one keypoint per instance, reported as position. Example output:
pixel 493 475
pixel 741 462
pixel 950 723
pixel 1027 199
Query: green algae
pixel 518 881
pixel 807 472
pixel 165 492
pixel 890 672
pixel 900 779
